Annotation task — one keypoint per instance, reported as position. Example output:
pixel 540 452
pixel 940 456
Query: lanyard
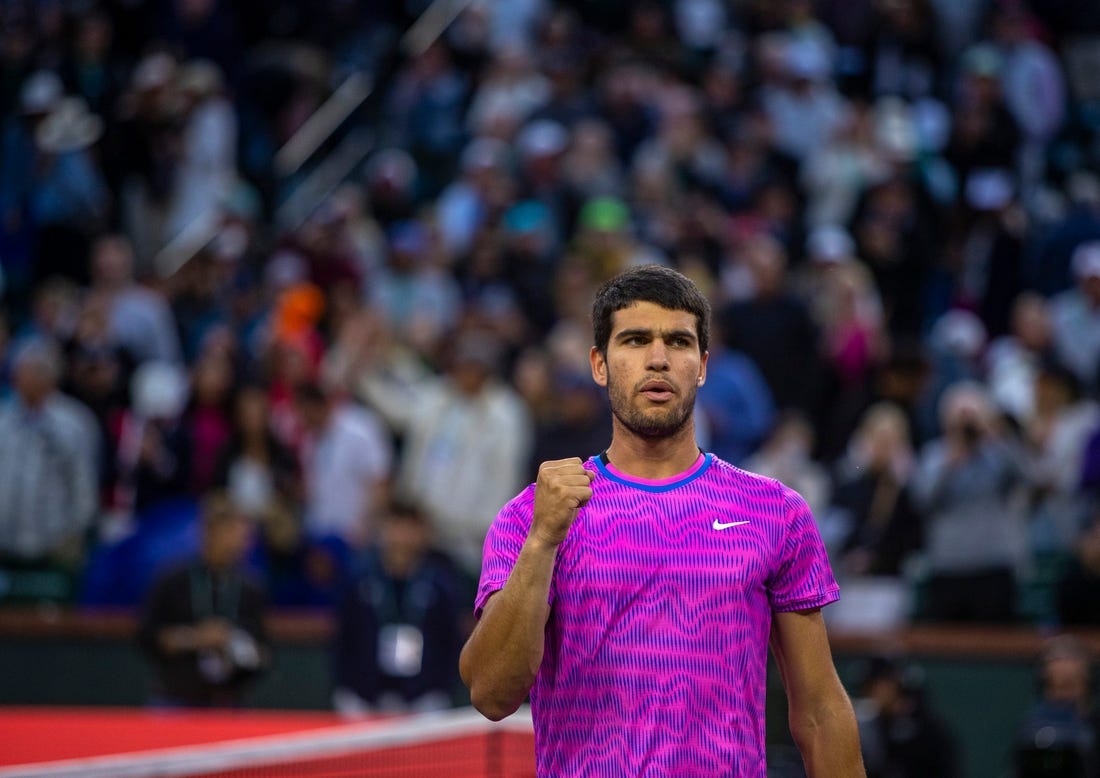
pixel 205 601
pixel 409 608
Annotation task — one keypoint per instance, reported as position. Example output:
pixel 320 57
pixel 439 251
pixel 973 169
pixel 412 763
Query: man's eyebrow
pixel 647 332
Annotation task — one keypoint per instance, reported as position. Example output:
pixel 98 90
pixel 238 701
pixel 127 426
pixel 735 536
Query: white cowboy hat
pixel 68 127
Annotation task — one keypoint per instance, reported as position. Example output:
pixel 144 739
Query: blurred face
pixel 213 380
pixel 1051 394
pixel 1066 680
pixel 965 409
pixel 1031 322
pixel 470 376
pixel 1088 548
pixel 765 260
pixel 403 540
pixel 1091 287
pixel 227 540
pixel 113 261
pixel 252 410
pixel 34 381
pixel 883 439
pixel 652 370
pixel 314 415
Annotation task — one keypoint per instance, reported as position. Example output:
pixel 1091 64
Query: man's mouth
pixel 657 391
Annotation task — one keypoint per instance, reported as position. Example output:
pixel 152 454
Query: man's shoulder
pixel 765 493
pixel 71 410
pixel 732 475
pixel 359 420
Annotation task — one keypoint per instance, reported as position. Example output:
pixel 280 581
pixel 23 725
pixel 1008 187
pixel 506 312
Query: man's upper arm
pixel 801 647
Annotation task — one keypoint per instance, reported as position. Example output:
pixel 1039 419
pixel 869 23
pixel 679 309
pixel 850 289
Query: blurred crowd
pixel 893 205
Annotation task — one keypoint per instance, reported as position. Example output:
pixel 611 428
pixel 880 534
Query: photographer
pixel 202 625
pixel 975 538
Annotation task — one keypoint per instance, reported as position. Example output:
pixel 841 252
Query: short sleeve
pixel 503 542
pixel 802 578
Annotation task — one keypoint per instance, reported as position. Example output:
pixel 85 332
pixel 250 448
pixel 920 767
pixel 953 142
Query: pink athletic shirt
pixel 661 605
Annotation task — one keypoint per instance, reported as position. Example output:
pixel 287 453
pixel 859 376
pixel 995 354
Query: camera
pixel 971 432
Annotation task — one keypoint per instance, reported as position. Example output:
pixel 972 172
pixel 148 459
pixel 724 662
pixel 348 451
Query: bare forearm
pixel 502 656
pixel 829 742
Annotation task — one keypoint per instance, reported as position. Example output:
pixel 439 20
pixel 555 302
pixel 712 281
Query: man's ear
pixel 599 366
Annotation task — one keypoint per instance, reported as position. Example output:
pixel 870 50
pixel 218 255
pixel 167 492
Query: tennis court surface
pixel 121 743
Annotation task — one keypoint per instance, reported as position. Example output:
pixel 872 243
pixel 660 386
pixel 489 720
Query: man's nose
pixel 657 356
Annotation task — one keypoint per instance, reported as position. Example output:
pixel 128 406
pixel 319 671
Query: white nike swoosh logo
pixel 719 525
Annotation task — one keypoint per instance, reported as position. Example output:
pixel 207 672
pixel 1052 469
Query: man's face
pixel 652 369
pixel 33 381
pixel 1067 680
pixel 227 541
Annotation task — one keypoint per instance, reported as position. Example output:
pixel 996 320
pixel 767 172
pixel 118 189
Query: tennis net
pixel 450 744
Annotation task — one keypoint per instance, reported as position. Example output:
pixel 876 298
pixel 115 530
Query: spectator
pixel 853 345
pixel 773 328
pixel 207 418
pixel 735 407
pixel 904 54
pixel 894 229
pixel 92 67
pixel 1057 433
pixel 202 625
pixel 68 194
pixel 804 107
pixel 577 418
pixel 984 134
pixel 1075 314
pixel 152 451
pixel 1065 715
pixel 397 628
pixel 468 203
pixel 1033 83
pixel 990 245
pixel 207 167
pixel 347 460
pixel 414 292
pixel 141 320
pixel 466 439
pixel 425 106
pixel 787 456
pixel 511 89
pixel 903 737
pixel 253 466
pixel 964 484
pixel 49 460
pixel 145 152
pixel 1013 360
pixel 1079 587
pixel 871 496
pixel 98 376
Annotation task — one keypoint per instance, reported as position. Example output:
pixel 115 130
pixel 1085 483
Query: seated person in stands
pixel 202 624
pixel 1079 589
pixel 900 734
pixel 1060 734
pixel 398 624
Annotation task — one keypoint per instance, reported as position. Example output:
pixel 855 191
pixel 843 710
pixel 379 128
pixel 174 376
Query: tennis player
pixel 633 595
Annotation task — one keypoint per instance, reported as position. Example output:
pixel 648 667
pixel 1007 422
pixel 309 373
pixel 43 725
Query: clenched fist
pixel 562 488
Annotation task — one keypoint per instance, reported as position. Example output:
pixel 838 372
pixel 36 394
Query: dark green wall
pixel 981 700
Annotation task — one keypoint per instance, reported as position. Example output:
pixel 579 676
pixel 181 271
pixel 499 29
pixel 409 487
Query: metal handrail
pixel 320 126
pixel 431 24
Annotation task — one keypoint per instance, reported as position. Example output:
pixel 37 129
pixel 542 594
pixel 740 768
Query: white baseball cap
pixel 1086 260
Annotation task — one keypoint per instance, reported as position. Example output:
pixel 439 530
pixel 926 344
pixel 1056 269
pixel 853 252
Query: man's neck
pixel 653 459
